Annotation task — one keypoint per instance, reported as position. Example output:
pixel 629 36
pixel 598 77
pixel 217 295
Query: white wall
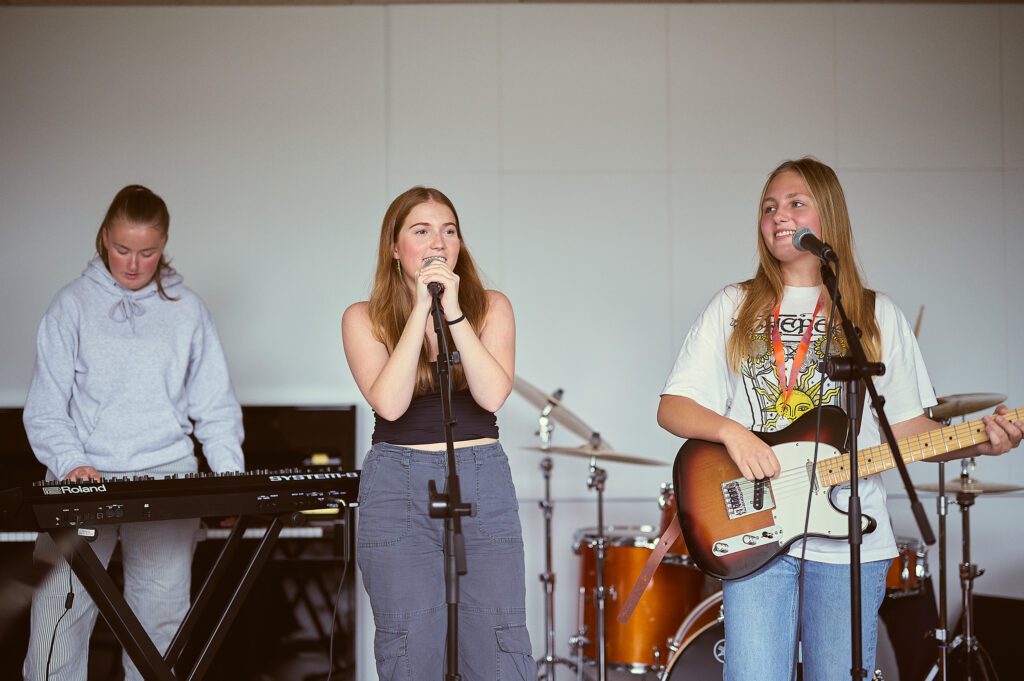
pixel 606 161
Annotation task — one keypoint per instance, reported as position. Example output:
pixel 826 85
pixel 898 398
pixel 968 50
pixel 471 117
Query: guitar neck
pixel 836 470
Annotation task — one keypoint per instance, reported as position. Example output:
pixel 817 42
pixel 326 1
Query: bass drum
pixel 698 648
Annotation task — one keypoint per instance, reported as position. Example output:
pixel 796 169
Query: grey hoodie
pixel 119 373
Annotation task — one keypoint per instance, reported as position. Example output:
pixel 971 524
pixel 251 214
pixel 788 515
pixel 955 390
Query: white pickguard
pixel 786 497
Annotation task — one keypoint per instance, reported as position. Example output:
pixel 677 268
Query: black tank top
pixel 422 422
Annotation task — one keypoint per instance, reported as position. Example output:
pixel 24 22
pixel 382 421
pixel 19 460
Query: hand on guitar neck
pixel 1002 433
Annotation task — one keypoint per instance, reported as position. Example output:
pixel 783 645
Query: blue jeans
pixel 760 620
pixel 400 551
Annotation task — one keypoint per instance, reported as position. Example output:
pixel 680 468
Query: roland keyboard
pixel 302 532
pixel 65 504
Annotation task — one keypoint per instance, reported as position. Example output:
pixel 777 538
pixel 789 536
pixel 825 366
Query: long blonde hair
pixel 391 300
pixel 766 288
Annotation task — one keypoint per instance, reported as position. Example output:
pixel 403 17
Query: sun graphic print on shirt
pixel 771 408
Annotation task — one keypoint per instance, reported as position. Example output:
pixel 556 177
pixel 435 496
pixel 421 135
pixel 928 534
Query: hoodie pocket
pixel 125 432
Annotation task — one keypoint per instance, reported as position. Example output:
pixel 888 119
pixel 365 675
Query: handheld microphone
pixel 436 288
pixel 804 240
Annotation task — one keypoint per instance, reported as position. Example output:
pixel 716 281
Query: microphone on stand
pixel 436 288
pixel 804 240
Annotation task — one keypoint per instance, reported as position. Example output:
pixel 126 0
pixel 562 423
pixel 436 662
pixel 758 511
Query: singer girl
pixel 750 362
pixel 391 347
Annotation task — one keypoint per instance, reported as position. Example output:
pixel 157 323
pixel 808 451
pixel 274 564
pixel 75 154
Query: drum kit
pixel 681 608
pixel 677 631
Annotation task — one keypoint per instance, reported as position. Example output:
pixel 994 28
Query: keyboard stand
pixel 126 626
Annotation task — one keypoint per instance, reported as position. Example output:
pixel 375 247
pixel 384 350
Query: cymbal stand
pixel 940 672
pixel 941 631
pixel 595 481
pixel 546 669
pixel 975 662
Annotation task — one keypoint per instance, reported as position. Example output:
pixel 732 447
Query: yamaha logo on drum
pixel 719 650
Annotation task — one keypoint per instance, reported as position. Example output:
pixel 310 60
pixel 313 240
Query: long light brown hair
pixel 391 300
pixel 138 205
pixel 766 288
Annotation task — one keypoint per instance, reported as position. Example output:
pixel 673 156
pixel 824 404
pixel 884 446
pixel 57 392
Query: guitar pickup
pixel 743 497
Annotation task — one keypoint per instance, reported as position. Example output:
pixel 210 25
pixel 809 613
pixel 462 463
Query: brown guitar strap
pixel 647 574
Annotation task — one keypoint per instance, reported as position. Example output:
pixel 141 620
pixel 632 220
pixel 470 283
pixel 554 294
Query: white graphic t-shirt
pixel 755 398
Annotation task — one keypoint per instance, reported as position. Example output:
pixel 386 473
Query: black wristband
pixel 455 321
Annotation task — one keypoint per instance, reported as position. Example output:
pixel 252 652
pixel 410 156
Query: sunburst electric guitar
pixel 733 526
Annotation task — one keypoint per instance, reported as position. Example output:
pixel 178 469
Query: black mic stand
pixel 450 505
pixel 853 370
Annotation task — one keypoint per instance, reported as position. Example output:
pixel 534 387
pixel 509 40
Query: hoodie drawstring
pixel 126 310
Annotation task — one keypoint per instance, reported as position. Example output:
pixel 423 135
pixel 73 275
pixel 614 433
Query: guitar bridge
pixel 743 497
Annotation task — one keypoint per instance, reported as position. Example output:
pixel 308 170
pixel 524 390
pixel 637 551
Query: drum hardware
pixel 942 631
pixel 964 652
pixel 596 479
pixel 557 412
pixel 579 640
pixel 546 666
pixel 547 578
pixel 948 407
pixel 908 571
pixel 966 648
pixel 596 448
pixel 552 412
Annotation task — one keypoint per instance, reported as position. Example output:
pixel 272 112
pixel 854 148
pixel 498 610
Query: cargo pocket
pixel 515 656
pixel 389 649
pixel 497 507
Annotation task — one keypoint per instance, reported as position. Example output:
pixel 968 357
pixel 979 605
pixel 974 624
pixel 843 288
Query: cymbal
pixel 964 403
pixel 603 453
pixel 970 486
pixel 559 413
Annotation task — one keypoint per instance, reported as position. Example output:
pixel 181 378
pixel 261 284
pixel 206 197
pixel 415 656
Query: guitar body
pixel 730 534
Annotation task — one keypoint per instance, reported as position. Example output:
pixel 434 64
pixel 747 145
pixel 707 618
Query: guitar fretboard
pixel 871 460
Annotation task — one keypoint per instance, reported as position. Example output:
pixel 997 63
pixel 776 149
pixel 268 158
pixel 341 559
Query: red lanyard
pixel 786 386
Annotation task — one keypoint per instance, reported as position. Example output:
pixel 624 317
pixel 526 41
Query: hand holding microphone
pixel 436 288
pixel 450 302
